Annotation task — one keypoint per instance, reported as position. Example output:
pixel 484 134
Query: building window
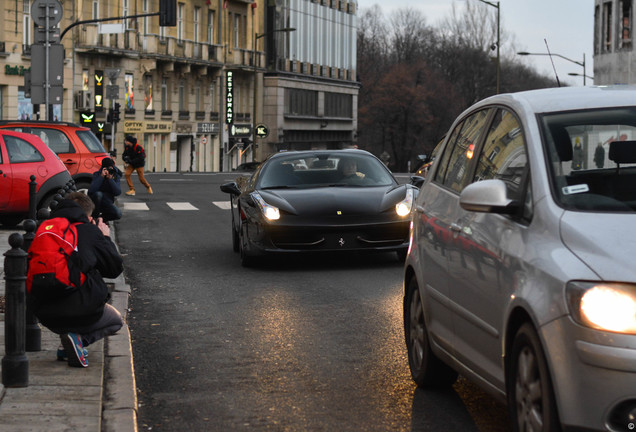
pixel 126 12
pixel 197 18
pixel 148 93
pixel 236 31
pixel 27 25
pixel 212 98
pixel 129 96
pixel 338 105
pixel 182 96
pixel 85 78
pixel 597 30
pixel 211 27
pixel 626 24
pixel 146 22
pixel 180 17
pixel 607 27
pixel 197 96
pixel 301 102
pixel 95 9
pixel 164 95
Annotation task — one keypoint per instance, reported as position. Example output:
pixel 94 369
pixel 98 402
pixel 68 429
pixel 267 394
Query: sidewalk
pixel 101 397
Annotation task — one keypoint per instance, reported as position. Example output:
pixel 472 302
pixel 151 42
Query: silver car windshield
pixel 592 158
pixel 324 170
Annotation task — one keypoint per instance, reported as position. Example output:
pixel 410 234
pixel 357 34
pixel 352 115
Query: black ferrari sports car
pixel 320 201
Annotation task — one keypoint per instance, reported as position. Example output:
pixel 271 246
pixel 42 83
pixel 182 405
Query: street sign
pixel 41 34
pixel 56 65
pixel 112 74
pixel 241 130
pixel 112 92
pixel 261 131
pixel 39 12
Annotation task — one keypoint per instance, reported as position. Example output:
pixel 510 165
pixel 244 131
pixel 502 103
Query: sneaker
pixel 62 356
pixel 150 190
pixel 131 192
pixel 72 343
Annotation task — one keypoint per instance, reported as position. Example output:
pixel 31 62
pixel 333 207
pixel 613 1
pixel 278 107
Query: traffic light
pixel 167 13
pixel 115 116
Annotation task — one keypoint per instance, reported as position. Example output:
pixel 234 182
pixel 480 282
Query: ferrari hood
pixel 328 201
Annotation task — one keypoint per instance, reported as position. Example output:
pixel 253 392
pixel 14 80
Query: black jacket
pixel 134 155
pixel 110 187
pixel 98 257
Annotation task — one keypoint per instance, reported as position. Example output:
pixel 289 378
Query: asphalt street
pixel 302 343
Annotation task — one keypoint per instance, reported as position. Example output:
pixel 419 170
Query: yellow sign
pixel 136 126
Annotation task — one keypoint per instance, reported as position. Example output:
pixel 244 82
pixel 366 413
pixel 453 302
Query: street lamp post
pixel 523 53
pixel 258 36
pixel 496 5
pixel 581 75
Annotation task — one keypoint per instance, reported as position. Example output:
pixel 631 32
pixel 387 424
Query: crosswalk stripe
pixel 181 206
pixel 135 206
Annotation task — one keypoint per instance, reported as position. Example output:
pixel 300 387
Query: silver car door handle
pixel 455 227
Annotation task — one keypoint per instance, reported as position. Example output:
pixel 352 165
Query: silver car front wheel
pixel 530 396
pixel 427 369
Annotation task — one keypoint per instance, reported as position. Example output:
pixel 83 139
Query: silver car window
pixel 504 154
pixel 592 158
pixel 455 169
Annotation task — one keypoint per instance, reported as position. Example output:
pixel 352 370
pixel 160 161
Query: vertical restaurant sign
pixel 229 98
pixel 99 89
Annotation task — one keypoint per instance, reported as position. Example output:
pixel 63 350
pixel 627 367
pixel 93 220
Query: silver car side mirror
pixel 488 196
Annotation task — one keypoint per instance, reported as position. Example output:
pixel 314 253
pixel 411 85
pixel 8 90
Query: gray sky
pixel 568 26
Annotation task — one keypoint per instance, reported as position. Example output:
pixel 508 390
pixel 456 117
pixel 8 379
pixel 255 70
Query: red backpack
pixel 54 269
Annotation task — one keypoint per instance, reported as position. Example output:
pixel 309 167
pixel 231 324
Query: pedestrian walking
pixel 70 254
pixel 103 190
pixel 134 157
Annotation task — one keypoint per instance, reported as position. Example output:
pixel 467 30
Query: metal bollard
pixel 15 364
pixel 33 340
pixel 32 197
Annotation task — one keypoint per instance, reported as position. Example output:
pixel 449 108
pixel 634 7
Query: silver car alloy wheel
pixel 531 401
pixel 417 331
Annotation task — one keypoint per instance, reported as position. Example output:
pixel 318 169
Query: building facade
pixel 193 93
pixel 614 58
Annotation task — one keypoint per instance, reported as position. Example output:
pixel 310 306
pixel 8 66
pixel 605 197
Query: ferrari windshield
pixel 324 170
pixel 592 158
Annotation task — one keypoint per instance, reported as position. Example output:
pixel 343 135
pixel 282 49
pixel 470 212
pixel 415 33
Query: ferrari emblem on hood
pixel 341 242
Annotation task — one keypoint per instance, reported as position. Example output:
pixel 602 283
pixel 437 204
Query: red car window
pixel 21 151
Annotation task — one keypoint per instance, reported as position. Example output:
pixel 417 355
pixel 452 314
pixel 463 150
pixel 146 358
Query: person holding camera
pixel 134 157
pixel 103 190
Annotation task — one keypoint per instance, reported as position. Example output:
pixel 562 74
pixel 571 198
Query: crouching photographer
pixel 103 190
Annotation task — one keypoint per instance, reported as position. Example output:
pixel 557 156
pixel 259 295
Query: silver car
pixel 521 271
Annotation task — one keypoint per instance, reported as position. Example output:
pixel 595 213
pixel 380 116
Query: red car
pixel 21 156
pixel 77 147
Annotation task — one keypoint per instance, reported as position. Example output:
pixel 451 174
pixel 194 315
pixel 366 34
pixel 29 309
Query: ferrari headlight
pixel 604 306
pixel 403 208
pixel 269 211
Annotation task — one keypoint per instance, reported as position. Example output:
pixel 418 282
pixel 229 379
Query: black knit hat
pixel 131 139
pixel 107 162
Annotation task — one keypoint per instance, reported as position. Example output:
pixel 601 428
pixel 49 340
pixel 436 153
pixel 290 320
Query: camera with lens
pixel 111 170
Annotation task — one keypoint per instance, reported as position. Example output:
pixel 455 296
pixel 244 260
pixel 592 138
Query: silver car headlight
pixel 605 306
pixel 403 208
pixel 269 211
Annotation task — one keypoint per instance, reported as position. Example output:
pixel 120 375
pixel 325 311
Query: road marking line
pixel 225 205
pixel 181 206
pixel 135 206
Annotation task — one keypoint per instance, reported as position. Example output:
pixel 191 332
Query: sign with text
pixel 241 130
pixel 229 98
